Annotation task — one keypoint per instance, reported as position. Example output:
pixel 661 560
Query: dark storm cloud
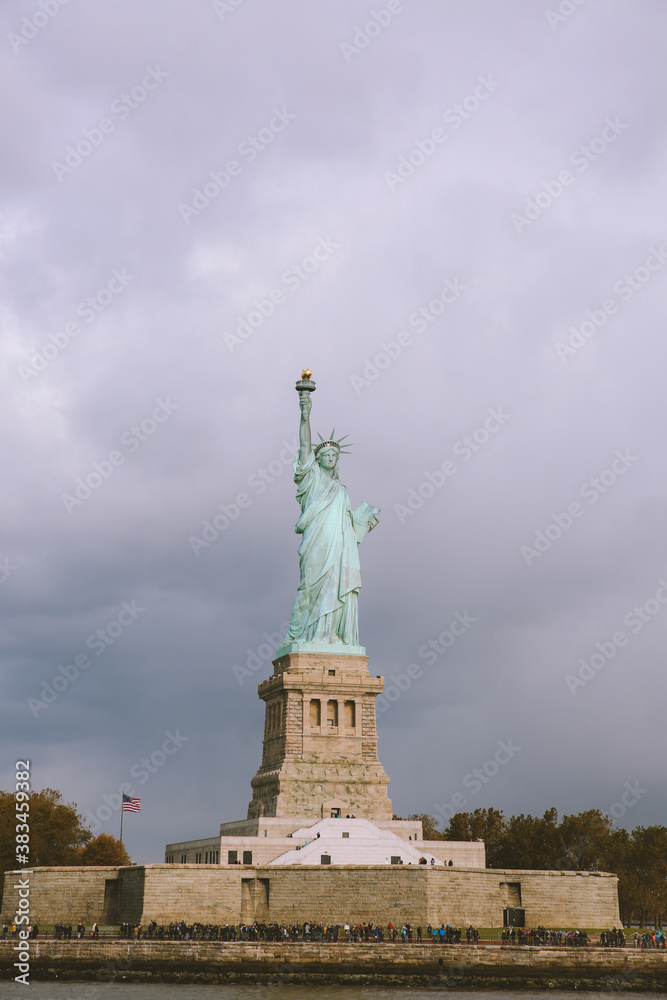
pixel 514 157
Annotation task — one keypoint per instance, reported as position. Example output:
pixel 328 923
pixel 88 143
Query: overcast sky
pixel 454 213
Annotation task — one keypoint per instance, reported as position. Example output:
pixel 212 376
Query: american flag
pixel 131 805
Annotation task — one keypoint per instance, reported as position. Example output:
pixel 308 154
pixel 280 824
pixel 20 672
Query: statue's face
pixel 328 458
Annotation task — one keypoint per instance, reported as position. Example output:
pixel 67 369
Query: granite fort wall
pixel 350 893
pixel 360 893
pixel 463 854
pixel 209 893
pixel 67 894
pixel 551 899
pixel 420 895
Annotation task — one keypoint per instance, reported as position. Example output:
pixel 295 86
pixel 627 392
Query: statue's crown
pixel 332 443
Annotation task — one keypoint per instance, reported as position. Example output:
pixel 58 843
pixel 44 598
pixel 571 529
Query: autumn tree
pixel 104 850
pixel 57 832
pixel 57 835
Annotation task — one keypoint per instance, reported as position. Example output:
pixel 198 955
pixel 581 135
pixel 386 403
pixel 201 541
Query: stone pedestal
pixel 320 738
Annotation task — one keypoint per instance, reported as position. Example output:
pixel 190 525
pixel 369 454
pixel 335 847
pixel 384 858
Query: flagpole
pixel 121 820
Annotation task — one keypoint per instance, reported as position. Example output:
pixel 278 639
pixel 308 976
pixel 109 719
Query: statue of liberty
pixel 325 608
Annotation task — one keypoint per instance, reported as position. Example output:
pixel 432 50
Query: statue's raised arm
pixel 305 438
pixel 325 608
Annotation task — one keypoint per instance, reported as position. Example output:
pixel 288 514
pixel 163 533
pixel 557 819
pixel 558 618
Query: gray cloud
pixel 162 336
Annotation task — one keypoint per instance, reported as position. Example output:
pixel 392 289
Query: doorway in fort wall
pixel 254 900
pixel 111 907
pixel 510 893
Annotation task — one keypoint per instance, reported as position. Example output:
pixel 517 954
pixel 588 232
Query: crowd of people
pixel 542 937
pixel 446 934
pixel 613 938
pixel 63 932
pixel 655 940
pixel 33 931
pixel 312 930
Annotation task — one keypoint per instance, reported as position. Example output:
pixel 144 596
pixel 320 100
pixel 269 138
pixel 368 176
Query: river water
pixel 139 991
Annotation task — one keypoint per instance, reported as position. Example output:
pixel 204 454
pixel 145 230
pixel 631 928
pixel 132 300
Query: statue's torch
pixel 305 383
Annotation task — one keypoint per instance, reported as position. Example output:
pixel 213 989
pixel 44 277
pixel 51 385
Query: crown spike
pixel 332 443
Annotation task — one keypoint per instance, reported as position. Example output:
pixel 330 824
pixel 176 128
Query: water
pixel 139 991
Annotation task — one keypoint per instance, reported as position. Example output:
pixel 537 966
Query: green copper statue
pixel 325 608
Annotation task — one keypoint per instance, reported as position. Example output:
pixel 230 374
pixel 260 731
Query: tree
pixel 529 842
pixel 482 824
pixel 7 833
pixel 57 833
pixel 584 841
pixel 618 861
pixel 104 850
pixel 647 873
pixel 429 826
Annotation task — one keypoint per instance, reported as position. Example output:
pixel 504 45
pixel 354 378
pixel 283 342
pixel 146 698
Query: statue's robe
pixel 325 608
